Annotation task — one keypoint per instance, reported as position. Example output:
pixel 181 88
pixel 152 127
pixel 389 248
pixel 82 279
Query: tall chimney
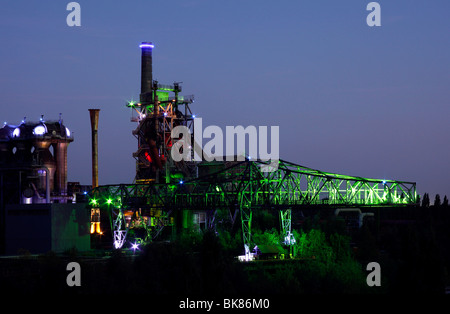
pixel 94 127
pixel 146 72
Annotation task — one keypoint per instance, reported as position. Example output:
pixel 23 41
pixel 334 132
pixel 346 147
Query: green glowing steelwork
pixel 243 187
pixel 162 96
pixel 169 88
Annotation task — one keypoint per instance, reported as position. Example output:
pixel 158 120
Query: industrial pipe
pixel 94 127
pixel 47 183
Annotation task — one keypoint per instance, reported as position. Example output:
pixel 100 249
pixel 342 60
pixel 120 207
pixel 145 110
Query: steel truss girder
pixel 299 185
pixel 243 186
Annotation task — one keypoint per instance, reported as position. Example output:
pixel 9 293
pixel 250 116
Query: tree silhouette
pixel 437 200
pixel 445 201
pixel 426 200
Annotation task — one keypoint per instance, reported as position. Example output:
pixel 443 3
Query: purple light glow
pixel 135 246
pixel 146 45
pixel 16 132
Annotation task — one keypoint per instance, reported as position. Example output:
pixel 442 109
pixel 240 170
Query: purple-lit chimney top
pixel 146 72
pixel 146 45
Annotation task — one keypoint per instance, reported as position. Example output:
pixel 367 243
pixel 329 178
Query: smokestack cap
pixel 146 45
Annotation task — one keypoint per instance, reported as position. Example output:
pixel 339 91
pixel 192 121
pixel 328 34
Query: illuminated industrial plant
pixel 39 207
pixel 187 194
pixel 33 161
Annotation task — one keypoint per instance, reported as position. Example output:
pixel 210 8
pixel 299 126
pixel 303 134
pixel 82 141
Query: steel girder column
pixel 120 230
pixel 246 201
pixel 120 227
pixel 285 219
pixel 246 220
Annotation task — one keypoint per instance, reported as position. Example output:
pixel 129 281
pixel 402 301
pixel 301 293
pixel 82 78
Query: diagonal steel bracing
pixel 244 187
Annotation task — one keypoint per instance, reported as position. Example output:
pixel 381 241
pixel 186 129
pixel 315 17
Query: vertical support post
pixel 120 230
pixel 94 127
pixel 285 218
pixel 245 204
pixel 246 219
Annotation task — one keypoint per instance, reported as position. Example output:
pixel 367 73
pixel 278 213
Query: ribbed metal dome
pixel 41 129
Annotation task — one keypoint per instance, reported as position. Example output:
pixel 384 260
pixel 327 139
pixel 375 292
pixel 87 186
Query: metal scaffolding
pixel 243 187
pixel 164 187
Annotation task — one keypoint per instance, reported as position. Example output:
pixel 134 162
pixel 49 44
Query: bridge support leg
pixel 246 220
pixel 285 219
pixel 119 233
pixel 121 229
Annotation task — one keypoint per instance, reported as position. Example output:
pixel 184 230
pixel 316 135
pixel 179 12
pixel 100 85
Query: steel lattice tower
pixel 159 111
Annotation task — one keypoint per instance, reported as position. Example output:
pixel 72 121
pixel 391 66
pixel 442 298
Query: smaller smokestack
pixel 94 127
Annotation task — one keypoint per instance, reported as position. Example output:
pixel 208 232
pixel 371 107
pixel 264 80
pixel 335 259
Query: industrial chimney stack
pixel 94 127
pixel 146 72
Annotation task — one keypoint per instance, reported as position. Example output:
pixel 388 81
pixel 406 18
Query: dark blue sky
pixel 351 99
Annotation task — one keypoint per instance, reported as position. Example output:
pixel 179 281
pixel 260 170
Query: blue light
pixel 135 246
pixel 146 45
pixel 193 116
pixel 16 132
pixel 39 130
pixel 181 181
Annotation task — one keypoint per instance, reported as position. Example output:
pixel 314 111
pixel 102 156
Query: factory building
pixel 33 162
pixel 34 196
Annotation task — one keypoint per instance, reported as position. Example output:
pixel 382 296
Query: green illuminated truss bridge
pixel 240 188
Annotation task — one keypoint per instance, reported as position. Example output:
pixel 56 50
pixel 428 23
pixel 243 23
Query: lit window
pixel 39 130
pixel 16 132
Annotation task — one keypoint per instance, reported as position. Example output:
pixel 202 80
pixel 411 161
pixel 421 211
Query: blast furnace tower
pixel 160 109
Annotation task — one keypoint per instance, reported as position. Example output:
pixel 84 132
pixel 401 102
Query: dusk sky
pixel 348 98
